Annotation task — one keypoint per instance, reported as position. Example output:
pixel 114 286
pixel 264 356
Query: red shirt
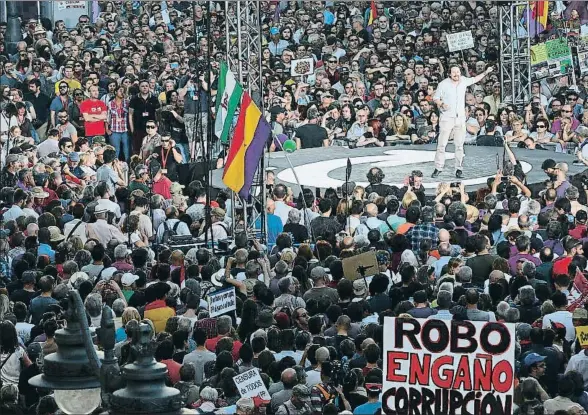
pixel 560 266
pixel 173 370
pixel 163 187
pixel 93 107
pixel 210 344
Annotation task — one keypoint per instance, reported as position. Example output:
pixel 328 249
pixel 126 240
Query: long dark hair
pixel 248 316
pixel 8 337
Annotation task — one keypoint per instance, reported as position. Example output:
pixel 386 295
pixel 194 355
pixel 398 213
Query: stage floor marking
pixel 317 174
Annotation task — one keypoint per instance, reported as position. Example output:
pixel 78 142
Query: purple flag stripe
pixel 253 155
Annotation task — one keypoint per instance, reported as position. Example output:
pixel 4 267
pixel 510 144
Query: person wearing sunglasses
pixel 151 140
pixel 541 133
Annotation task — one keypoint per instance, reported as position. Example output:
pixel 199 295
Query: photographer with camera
pixel 534 111
pixel 328 390
pixel 490 133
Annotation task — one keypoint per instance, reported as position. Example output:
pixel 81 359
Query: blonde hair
pixel 130 313
pixel 403 129
pixel 408 198
pixel 359 192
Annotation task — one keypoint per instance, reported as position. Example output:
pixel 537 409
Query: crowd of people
pixel 97 121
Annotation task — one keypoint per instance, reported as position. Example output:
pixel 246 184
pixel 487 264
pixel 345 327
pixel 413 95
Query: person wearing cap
pixel 580 317
pixel 312 134
pixel 103 231
pixel 298 404
pixel 373 386
pixel 320 289
pixel 276 45
pixel 218 229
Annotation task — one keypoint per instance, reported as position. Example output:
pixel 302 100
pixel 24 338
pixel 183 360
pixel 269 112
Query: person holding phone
pixel 450 99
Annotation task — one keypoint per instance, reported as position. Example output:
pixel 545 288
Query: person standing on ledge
pixel 450 99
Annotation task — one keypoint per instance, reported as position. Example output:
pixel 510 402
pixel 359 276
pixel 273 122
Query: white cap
pixel 128 279
pixel 107 273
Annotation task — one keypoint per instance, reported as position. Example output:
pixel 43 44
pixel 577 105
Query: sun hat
pixel 56 235
pixel 265 319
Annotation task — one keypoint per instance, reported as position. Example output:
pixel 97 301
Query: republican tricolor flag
pixel 373 13
pixel 538 17
pixel 250 137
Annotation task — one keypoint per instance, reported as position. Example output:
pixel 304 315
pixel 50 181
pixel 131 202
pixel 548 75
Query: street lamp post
pixel 82 382
pixel 13 32
pixel 73 370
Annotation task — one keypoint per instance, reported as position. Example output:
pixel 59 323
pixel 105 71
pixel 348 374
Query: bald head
pixel 347 242
pixel 443 235
pixel 371 210
pixel 496 275
pixel 289 378
pixel 367 342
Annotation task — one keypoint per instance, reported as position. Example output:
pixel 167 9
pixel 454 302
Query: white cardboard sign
pixel 300 67
pixel 221 302
pixel 251 385
pixel 430 363
pixel 460 41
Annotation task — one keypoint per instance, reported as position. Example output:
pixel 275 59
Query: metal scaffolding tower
pixel 243 51
pixel 515 57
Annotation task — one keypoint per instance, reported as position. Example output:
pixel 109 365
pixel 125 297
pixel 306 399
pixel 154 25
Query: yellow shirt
pixel 72 83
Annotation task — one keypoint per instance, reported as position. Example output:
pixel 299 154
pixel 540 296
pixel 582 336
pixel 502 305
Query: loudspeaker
pixel 189 172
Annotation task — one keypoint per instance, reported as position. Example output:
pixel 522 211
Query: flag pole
pixel 310 233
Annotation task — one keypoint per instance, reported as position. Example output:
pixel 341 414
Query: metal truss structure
pixel 243 51
pixel 515 52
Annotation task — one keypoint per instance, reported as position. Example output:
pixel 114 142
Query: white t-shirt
pixel 11 370
pixel 564 317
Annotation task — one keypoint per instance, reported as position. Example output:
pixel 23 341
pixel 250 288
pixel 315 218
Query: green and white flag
pixel 228 98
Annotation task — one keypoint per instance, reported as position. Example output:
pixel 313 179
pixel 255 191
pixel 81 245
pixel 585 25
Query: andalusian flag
pixel 247 146
pixel 372 13
pixel 228 97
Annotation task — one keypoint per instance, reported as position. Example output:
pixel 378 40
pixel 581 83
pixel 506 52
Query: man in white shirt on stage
pixel 450 99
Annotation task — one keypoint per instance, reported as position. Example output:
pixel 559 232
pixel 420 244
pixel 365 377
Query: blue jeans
pixel 121 141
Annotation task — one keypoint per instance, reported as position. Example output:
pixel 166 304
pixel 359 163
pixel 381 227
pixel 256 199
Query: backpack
pixel 169 232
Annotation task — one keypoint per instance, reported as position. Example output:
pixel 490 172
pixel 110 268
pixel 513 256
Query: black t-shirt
pixel 166 158
pixel 143 110
pixel 23 296
pixel 311 135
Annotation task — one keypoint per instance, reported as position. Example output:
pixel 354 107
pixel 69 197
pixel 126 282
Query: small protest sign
pixel 366 263
pixel 466 367
pixel 221 302
pixel 460 41
pixel 251 385
pixel 300 67
pixel 582 335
